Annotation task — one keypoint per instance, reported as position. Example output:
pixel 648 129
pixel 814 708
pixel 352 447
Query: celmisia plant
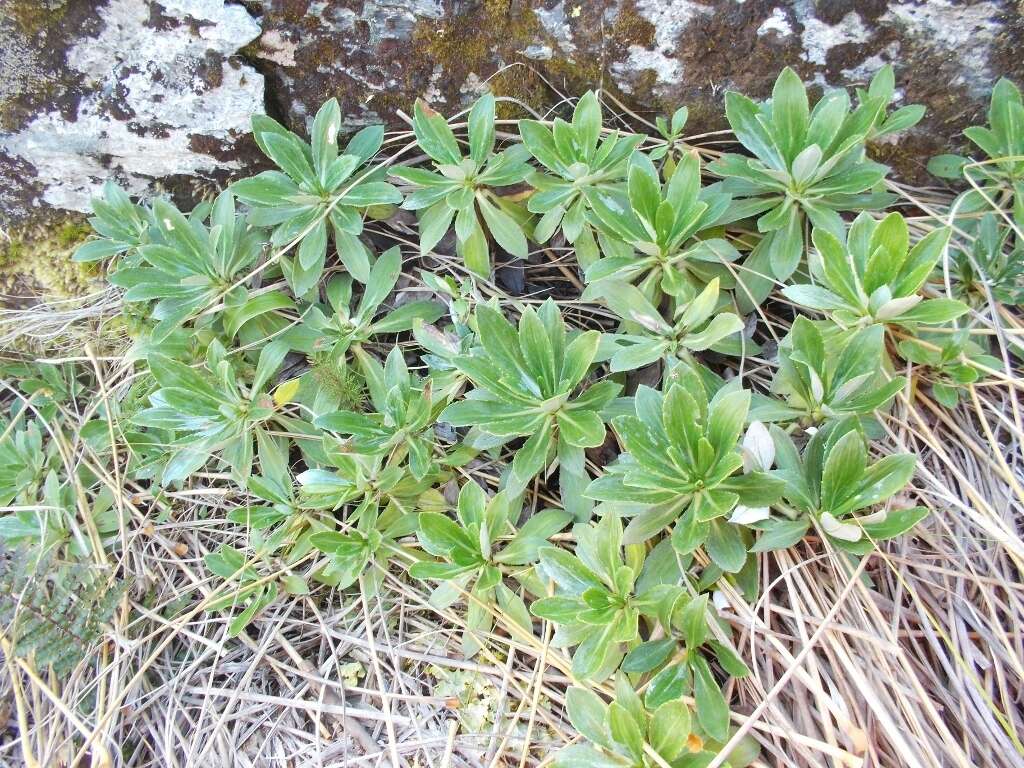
pixel 463 187
pixel 530 383
pixel 875 277
pixel 579 163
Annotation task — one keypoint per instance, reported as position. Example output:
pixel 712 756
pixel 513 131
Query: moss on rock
pixel 34 16
pixel 37 260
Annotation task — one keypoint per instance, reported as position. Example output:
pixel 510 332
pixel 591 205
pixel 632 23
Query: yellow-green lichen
pixel 33 16
pixel 628 28
pixel 473 43
pixel 37 261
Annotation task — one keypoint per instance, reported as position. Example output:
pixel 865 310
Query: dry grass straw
pixel 912 657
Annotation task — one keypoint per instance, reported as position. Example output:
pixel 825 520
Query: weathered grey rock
pixel 654 54
pixel 160 91
pixel 138 91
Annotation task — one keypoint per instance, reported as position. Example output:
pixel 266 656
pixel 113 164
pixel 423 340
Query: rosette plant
pixel 682 467
pixel 462 187
pixel 403 419
pixel 615 737
pixel 671 132
pixel 807 164
pixel 990 266
pixel 817 385
pixel 631 733
pixel 357 477
pixel 364 548
pixel 831 484
pixel 475 552
pixel 530 383
pixel 676 672
pixel 1002 172
pixel 696 326
pixel 186 266
pixel 47 517
pixel 579 163
pixel 276 521
pixel 212 410
pixel 881 90
pixel 316 191
pixel 661 221
pixel 122 226
pixel 595 606
pixel 875 277
pixel 340 326
pixel 248 590
pixel 950 362
pixel 23 461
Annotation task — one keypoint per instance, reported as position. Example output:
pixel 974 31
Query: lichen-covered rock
pixel 143 92
pixel 160 91
pixel 654 55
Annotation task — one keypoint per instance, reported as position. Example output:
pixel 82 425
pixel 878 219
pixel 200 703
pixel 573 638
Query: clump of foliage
pixel 808 164
pixel 682 467
pixel 992 266
pixel 631 732
pixel 696 326
pixel 462 188
pixel 831 482
pixel 317 189
pixel 662 223
pixel 1000 173
pixel 608 446
pixel 576 164
pixel 529 383
pixel 815 382
pixel 873 278
pixel 475 547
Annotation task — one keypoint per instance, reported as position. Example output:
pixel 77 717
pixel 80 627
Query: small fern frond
pixel 53 613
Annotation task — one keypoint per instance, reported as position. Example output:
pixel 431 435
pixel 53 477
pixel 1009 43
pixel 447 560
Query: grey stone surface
pixel 141 92
pixel 159 92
